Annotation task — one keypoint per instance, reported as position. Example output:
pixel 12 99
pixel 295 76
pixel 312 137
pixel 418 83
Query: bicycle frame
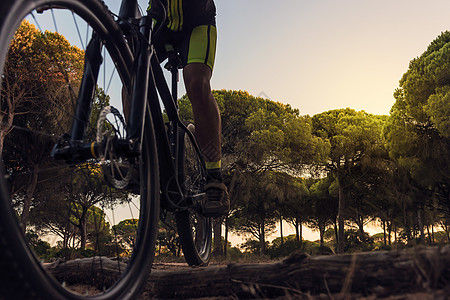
pixel 149 85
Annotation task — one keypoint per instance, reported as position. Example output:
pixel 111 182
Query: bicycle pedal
pixel 196 199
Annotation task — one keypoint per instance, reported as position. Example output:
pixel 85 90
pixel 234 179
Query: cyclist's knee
pixel 197 81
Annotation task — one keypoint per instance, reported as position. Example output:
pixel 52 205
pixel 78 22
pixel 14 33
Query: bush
pixel 41 248
pixel 283 250
pixel 233 253
pixel 290 245
pixel 313 248
pixel 70 253
pixel 381 247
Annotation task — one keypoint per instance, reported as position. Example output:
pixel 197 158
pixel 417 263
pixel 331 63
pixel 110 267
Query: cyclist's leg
pixel 199 61
pixel 197 75
pixel 206 112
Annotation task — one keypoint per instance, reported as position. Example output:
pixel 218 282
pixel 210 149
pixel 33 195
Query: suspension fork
pixel 140 86
pixel 71 147
pixel 93 60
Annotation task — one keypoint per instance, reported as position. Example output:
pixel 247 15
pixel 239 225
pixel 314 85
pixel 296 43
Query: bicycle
pixel 71 162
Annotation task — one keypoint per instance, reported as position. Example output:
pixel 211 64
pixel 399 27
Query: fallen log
pixel 380 274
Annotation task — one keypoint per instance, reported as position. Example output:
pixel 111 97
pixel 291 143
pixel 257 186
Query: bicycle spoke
pixel 78 31
pixel 54 21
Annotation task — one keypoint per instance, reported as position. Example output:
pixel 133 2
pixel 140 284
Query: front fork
pixel 71 148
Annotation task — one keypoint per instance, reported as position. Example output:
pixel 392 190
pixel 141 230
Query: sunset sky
pixel 322 54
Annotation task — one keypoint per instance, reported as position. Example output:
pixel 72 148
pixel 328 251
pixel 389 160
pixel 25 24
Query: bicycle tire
pixel 194 230
pixel 22 275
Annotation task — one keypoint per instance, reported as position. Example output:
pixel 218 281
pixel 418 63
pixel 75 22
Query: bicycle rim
pixel 103 210
pixel 193 228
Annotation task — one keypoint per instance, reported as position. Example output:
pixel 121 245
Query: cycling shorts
pixel 191 30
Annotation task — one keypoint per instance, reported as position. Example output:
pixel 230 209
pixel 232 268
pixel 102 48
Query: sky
pixel 322 54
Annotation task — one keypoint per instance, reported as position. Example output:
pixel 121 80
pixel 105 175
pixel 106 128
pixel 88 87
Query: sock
pixel 213 171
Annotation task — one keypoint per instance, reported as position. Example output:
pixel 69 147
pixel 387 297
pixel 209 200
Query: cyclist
pixel 191 30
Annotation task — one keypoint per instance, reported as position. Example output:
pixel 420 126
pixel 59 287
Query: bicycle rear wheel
pixel 194 229
pixel 104 210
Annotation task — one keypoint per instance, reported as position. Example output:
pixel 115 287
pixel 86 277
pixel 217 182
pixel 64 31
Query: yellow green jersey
pixel 190 13
pixel 191 30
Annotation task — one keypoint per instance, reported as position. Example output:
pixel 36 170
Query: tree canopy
pixel 417 131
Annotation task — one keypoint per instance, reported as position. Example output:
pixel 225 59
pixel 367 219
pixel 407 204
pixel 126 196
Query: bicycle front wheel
pixel 194 229
pixel 84 227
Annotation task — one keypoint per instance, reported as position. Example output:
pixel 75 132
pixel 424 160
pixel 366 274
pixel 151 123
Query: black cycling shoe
pixel 218 200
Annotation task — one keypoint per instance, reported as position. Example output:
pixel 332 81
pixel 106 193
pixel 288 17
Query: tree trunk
pixel 281 230
pixel 217 229
pixel 429 235
pixel 389 226
pixel 336 233
pixel 3 133
pixel 321 233
pixel 361 228
pixel 395 236
pixel 262 238
pixel 433 241
pixel 82 226
pixel 231 192
pixel 28 198
pixel 225 246
pixel 297 231
pixel 421 224
pixel 341 220
pixel 300 231
pixel 448 235
pixel 83 234
pixel 371 275
pixel 66 239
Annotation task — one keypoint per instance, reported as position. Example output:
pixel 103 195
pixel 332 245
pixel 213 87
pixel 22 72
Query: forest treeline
pixel 333 172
